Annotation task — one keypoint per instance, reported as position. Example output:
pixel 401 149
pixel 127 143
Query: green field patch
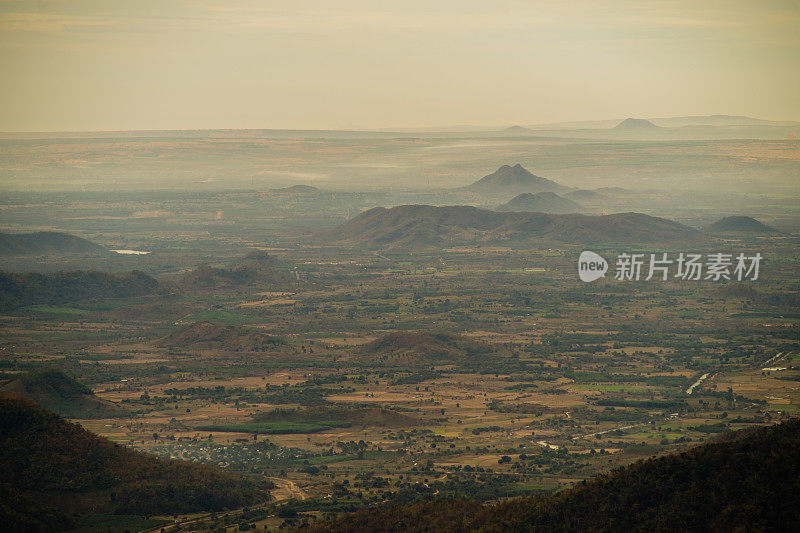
pixel 55 310
pixel 72 335
pixel 608 387
pixel 328 459
pixel 116 523
pixel 101 356
pixel 655 435
pixel 641 404
pixel 276 428
pixel 528 489
pixel 218 316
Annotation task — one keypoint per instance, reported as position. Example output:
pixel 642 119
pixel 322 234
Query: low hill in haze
pixel 518 130
pixel 541 202
pixel 585 195
pixel 297 189
pixel 256 268
pixel 739 224
pixel 205 335
pixel 749 481
pixel 53 472
pixel 62 394
pixel 636 124
pixel 416 226
pixel 423 346
pixel 19 290
pixel 47 242
pixel 612 191
pixel 514 180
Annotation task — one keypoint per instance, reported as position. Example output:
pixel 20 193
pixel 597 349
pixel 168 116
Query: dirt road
pixel 286 489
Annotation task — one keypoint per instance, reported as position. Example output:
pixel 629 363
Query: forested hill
pixel 47 242
pixel 53 471
pixel 748 482
pixel 21 289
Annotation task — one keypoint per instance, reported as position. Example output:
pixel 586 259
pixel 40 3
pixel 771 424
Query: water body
pixel 130 252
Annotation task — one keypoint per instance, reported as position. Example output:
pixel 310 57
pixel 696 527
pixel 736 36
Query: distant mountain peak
pixel 297 189
pixel 517 129
pixel 515 179
pixel 636 124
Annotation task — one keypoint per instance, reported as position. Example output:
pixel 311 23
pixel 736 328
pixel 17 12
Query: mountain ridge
pixel 413 226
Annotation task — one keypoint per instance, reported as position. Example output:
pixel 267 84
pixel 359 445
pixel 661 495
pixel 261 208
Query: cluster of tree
pixel 749 481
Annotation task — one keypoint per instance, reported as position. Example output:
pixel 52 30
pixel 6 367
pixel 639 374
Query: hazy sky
pixel 171 64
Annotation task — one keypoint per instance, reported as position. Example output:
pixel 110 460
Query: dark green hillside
pixel 53 472
pixel 46 242
pixel 20 290
pixel 747 481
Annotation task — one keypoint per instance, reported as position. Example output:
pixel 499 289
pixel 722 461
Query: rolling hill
pixel 585 195
pixel 541 202
pixel 60 393
pixel 256 268
pixel 208 336
pixel 514 180
pixel 748 481
pixel 422 347
pixel 739 224
pixel 419 226
pixel 47 242
pixel 53 472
